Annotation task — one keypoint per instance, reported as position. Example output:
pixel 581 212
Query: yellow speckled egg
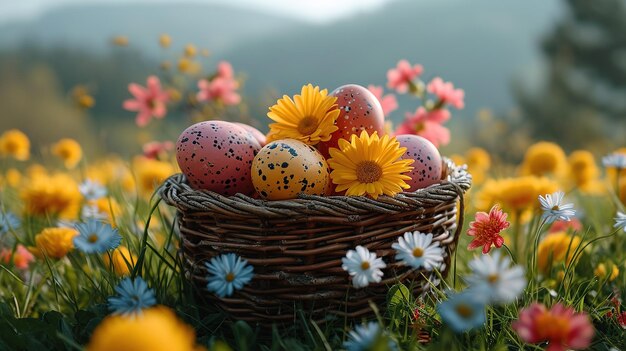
pixel 285 168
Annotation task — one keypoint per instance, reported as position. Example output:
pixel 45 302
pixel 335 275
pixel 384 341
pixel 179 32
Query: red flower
pixel 563 226
pixel 154 149
pixel 399 78
pixel 561 327
pixel 446 93
pixel 427 124
pixel 148 102
pixel 486 229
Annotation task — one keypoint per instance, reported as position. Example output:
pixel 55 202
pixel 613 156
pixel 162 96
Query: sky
pixel 318 11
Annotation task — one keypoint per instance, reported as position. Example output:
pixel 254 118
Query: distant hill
pixel 216 27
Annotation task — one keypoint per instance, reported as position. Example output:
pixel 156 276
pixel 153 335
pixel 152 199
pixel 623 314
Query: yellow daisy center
pixel 230 277
pixel 307 125
pixel 92 238
pixel 492 278
pixel 555 208
pixel 464 311
pixel 365 265
pixel 418 252
pixel 420 127
pixel 368 172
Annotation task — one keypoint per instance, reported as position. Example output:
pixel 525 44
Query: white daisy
pixel 363 266
pixel 554 209
pixel 494 278
pixel 615 160
pixel 364 336
pixel 418 250
pixel 92 211
pixel 92 190
pixel 620 221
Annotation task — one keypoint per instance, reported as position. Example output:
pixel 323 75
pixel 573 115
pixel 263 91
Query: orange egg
pixel 285 168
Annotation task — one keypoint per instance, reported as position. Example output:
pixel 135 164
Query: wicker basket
pixel 296 246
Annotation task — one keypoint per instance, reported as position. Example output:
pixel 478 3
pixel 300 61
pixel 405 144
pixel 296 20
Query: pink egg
pixel 217 156
pixel 427 167
pixel 359 110
pixel 255 133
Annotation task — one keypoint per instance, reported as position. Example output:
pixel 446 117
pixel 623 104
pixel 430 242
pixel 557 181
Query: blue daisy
pixel 96 237
pixel 463 311
pixel 133 297
pixel 8 221
pixel 228 273
pixel 364 336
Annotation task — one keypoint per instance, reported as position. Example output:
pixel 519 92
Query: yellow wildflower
pixel 514 194
pixel 601 271
pixel 165 41
pixel 554 247
pixel 190 50
pixel 544 159
pixel 478 158
pixel 55 195
pixel 14 143
pixel 151 173
pixel 120 40
pixel 13 177
pixel 54 242
pixel 69 151
pixel 155 329
pixel 121 260
pixel 583 169
pixel 188 66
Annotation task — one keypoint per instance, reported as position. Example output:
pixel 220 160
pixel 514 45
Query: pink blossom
pixel 388 102
pixel 427 124
pixel 225 70
pixel 155 148
pixel 148 102
pixel 21 257
pixel 399 78
pixel 561 327
pixel 562 226
pixel 219 88
pixel 446 93
pixel 486 229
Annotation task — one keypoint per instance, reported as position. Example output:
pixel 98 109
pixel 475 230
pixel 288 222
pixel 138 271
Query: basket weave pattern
pixel 296 245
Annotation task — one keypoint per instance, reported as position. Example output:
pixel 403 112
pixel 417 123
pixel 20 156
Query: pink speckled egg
pixel 217 156
pixel 427 167
pixel 255 133
pixel 359 110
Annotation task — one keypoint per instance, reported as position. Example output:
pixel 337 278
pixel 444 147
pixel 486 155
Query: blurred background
pixel 531 70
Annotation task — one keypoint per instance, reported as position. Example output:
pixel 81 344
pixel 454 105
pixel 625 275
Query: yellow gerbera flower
pixel 151 173
pixel 15 144
pixel 310 117
pixel 69 151
pixel 121 260
pixel 554 247
pixel 369 165
pixel 544 158
pixel 155 329
pixel 55 195
pixel 54 242
pixel 515 195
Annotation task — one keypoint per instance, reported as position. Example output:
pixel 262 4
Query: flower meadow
pixel 89 253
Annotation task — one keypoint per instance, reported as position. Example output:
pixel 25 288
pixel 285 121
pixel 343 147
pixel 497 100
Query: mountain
pixel 216 27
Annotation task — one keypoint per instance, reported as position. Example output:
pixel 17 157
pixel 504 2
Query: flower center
pixel 365 265
pixel 418 252
pixel 552 327
pixel 419 127
pixel 492 278
pixel 230 277
pixel 65 153
pixel 464 311
pixel 368 172
pixel 307 125
pixel 92 238
pixel 11 147
pixel 555 208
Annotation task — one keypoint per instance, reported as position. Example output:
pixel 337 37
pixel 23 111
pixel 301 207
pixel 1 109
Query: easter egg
pixel 427 167
pixel 217 156
pixel 255 133
pixel 284 168
pixel 359 110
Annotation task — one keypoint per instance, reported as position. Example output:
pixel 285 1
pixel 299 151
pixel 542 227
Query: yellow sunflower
pixel 15 144
pixel 369 165
pixel 310 117
pixel 69 151
pixel 545 159
pixel 157 329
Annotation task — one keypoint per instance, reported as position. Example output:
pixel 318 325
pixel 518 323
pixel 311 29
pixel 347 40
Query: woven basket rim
pixel 175 191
